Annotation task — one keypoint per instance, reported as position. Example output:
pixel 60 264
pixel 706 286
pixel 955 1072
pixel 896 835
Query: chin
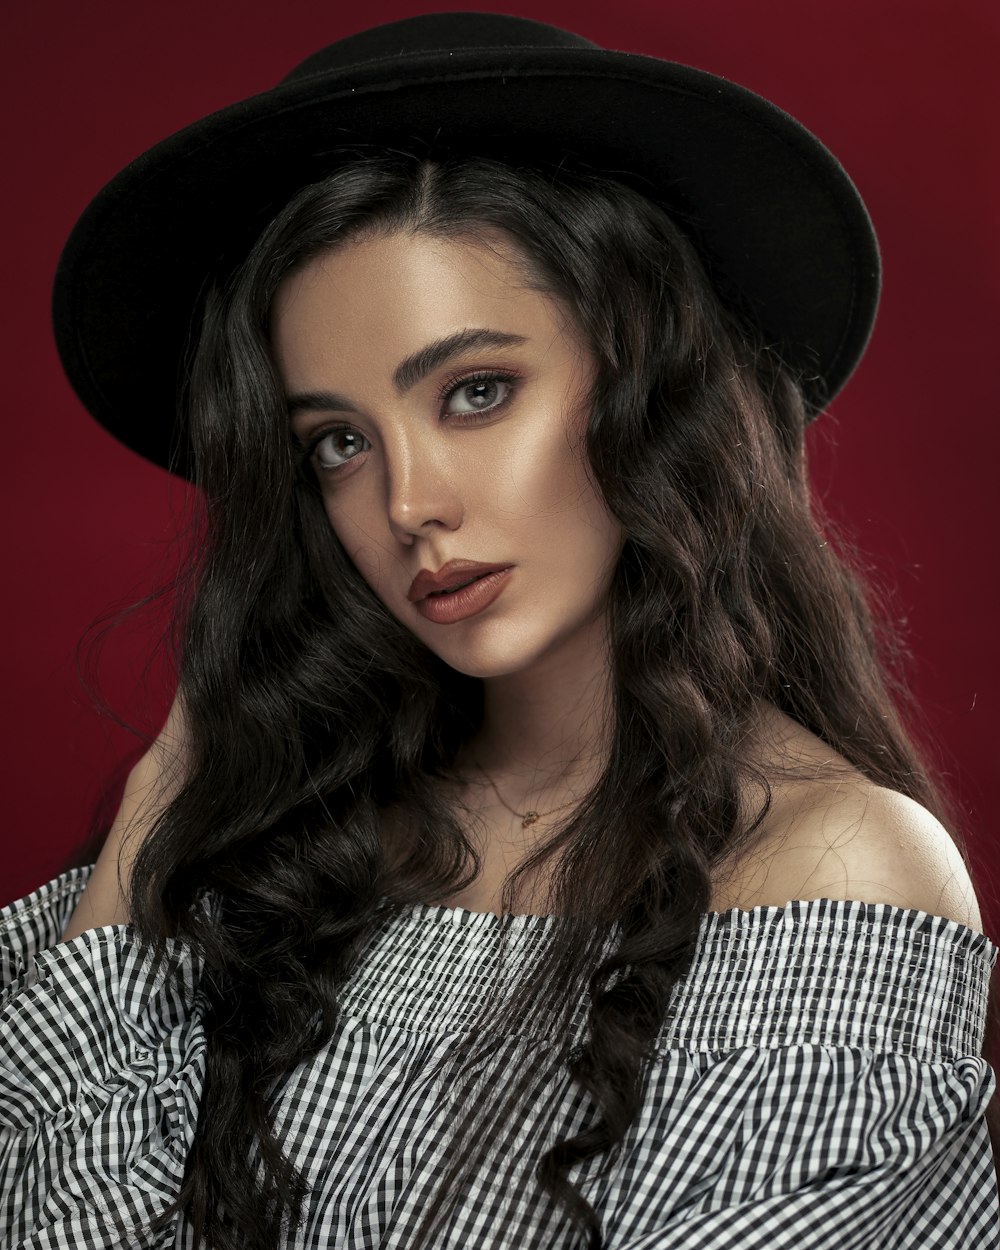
pixel 483 665
pixel 499 653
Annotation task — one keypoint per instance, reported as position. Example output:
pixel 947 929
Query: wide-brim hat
pixel 780 226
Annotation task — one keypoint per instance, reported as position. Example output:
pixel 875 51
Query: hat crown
pixel 435 32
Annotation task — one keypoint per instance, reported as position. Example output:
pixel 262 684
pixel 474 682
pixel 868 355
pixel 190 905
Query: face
pixel 473 455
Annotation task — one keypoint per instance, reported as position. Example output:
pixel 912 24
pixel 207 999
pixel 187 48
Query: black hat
pixel 778 223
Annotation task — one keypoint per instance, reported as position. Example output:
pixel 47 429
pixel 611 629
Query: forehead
pixel 401 290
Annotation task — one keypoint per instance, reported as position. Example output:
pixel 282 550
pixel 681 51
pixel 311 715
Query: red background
pixel 905 92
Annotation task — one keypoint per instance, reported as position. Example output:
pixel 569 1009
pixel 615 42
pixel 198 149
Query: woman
pixel 534 852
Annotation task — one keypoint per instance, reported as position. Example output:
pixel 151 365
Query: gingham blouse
pixel 818 1085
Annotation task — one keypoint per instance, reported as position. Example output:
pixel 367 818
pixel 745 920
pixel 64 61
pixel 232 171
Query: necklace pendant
pixel 529 819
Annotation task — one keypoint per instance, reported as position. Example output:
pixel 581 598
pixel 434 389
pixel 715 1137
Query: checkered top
pixel 818 1084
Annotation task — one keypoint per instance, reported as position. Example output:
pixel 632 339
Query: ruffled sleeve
pixel 820 1086
pixel 101 1072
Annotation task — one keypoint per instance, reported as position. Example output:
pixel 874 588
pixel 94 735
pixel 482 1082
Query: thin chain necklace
pixel 527 818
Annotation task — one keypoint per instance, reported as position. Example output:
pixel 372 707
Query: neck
pixel 546 727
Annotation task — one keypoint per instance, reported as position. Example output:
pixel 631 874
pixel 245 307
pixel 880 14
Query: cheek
pixel 363 540
pixel 540 477
pixel 555 486
pixel 597 534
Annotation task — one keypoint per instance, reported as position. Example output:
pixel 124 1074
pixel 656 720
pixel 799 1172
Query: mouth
pixel 450 580
pixel 466 598
pixel 436 594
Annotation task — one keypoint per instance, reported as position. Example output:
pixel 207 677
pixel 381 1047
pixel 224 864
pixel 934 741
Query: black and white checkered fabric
pixel 819 1085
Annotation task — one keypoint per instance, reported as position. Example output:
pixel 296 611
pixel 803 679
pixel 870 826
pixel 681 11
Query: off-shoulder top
pixel 818 1084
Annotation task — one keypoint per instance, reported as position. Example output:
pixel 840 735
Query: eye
pixel 478 390
pixel 333 448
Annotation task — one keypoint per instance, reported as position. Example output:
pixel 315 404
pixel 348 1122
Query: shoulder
pixel 847 838
pixel 861 841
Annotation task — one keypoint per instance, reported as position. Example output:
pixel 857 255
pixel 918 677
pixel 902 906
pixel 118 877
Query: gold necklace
pixel 527 818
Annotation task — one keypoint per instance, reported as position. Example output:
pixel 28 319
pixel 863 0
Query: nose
pixel 422 489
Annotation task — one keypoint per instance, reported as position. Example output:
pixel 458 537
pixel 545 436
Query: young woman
pixel 534 854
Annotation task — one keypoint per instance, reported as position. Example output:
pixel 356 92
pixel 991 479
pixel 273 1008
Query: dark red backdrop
pixel 905 92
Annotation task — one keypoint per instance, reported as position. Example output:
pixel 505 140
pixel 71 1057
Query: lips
pixel 449 577
pixel 456 587
pixel 471 600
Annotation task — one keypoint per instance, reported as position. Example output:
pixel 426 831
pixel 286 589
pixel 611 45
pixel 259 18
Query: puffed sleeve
pixel 821 1087
pixel 101 1071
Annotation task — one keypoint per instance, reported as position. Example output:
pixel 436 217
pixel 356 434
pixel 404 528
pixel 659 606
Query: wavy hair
pixel 727 592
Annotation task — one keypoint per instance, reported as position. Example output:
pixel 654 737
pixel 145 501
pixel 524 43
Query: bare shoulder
pixel 861 841
pixel 844 837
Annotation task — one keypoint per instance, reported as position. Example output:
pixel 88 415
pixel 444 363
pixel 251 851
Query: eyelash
pixel 452 384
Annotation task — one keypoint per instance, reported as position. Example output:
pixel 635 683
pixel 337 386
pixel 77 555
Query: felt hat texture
pixel 777 221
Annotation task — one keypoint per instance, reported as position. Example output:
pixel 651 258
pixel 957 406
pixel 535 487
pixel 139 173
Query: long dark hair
pixel 727 592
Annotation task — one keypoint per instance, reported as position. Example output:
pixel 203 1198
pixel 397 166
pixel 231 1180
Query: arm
pixel 151 784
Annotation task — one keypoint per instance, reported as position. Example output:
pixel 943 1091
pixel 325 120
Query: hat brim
pixel 779 224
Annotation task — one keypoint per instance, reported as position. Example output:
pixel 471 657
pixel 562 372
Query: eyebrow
pixel 414 368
